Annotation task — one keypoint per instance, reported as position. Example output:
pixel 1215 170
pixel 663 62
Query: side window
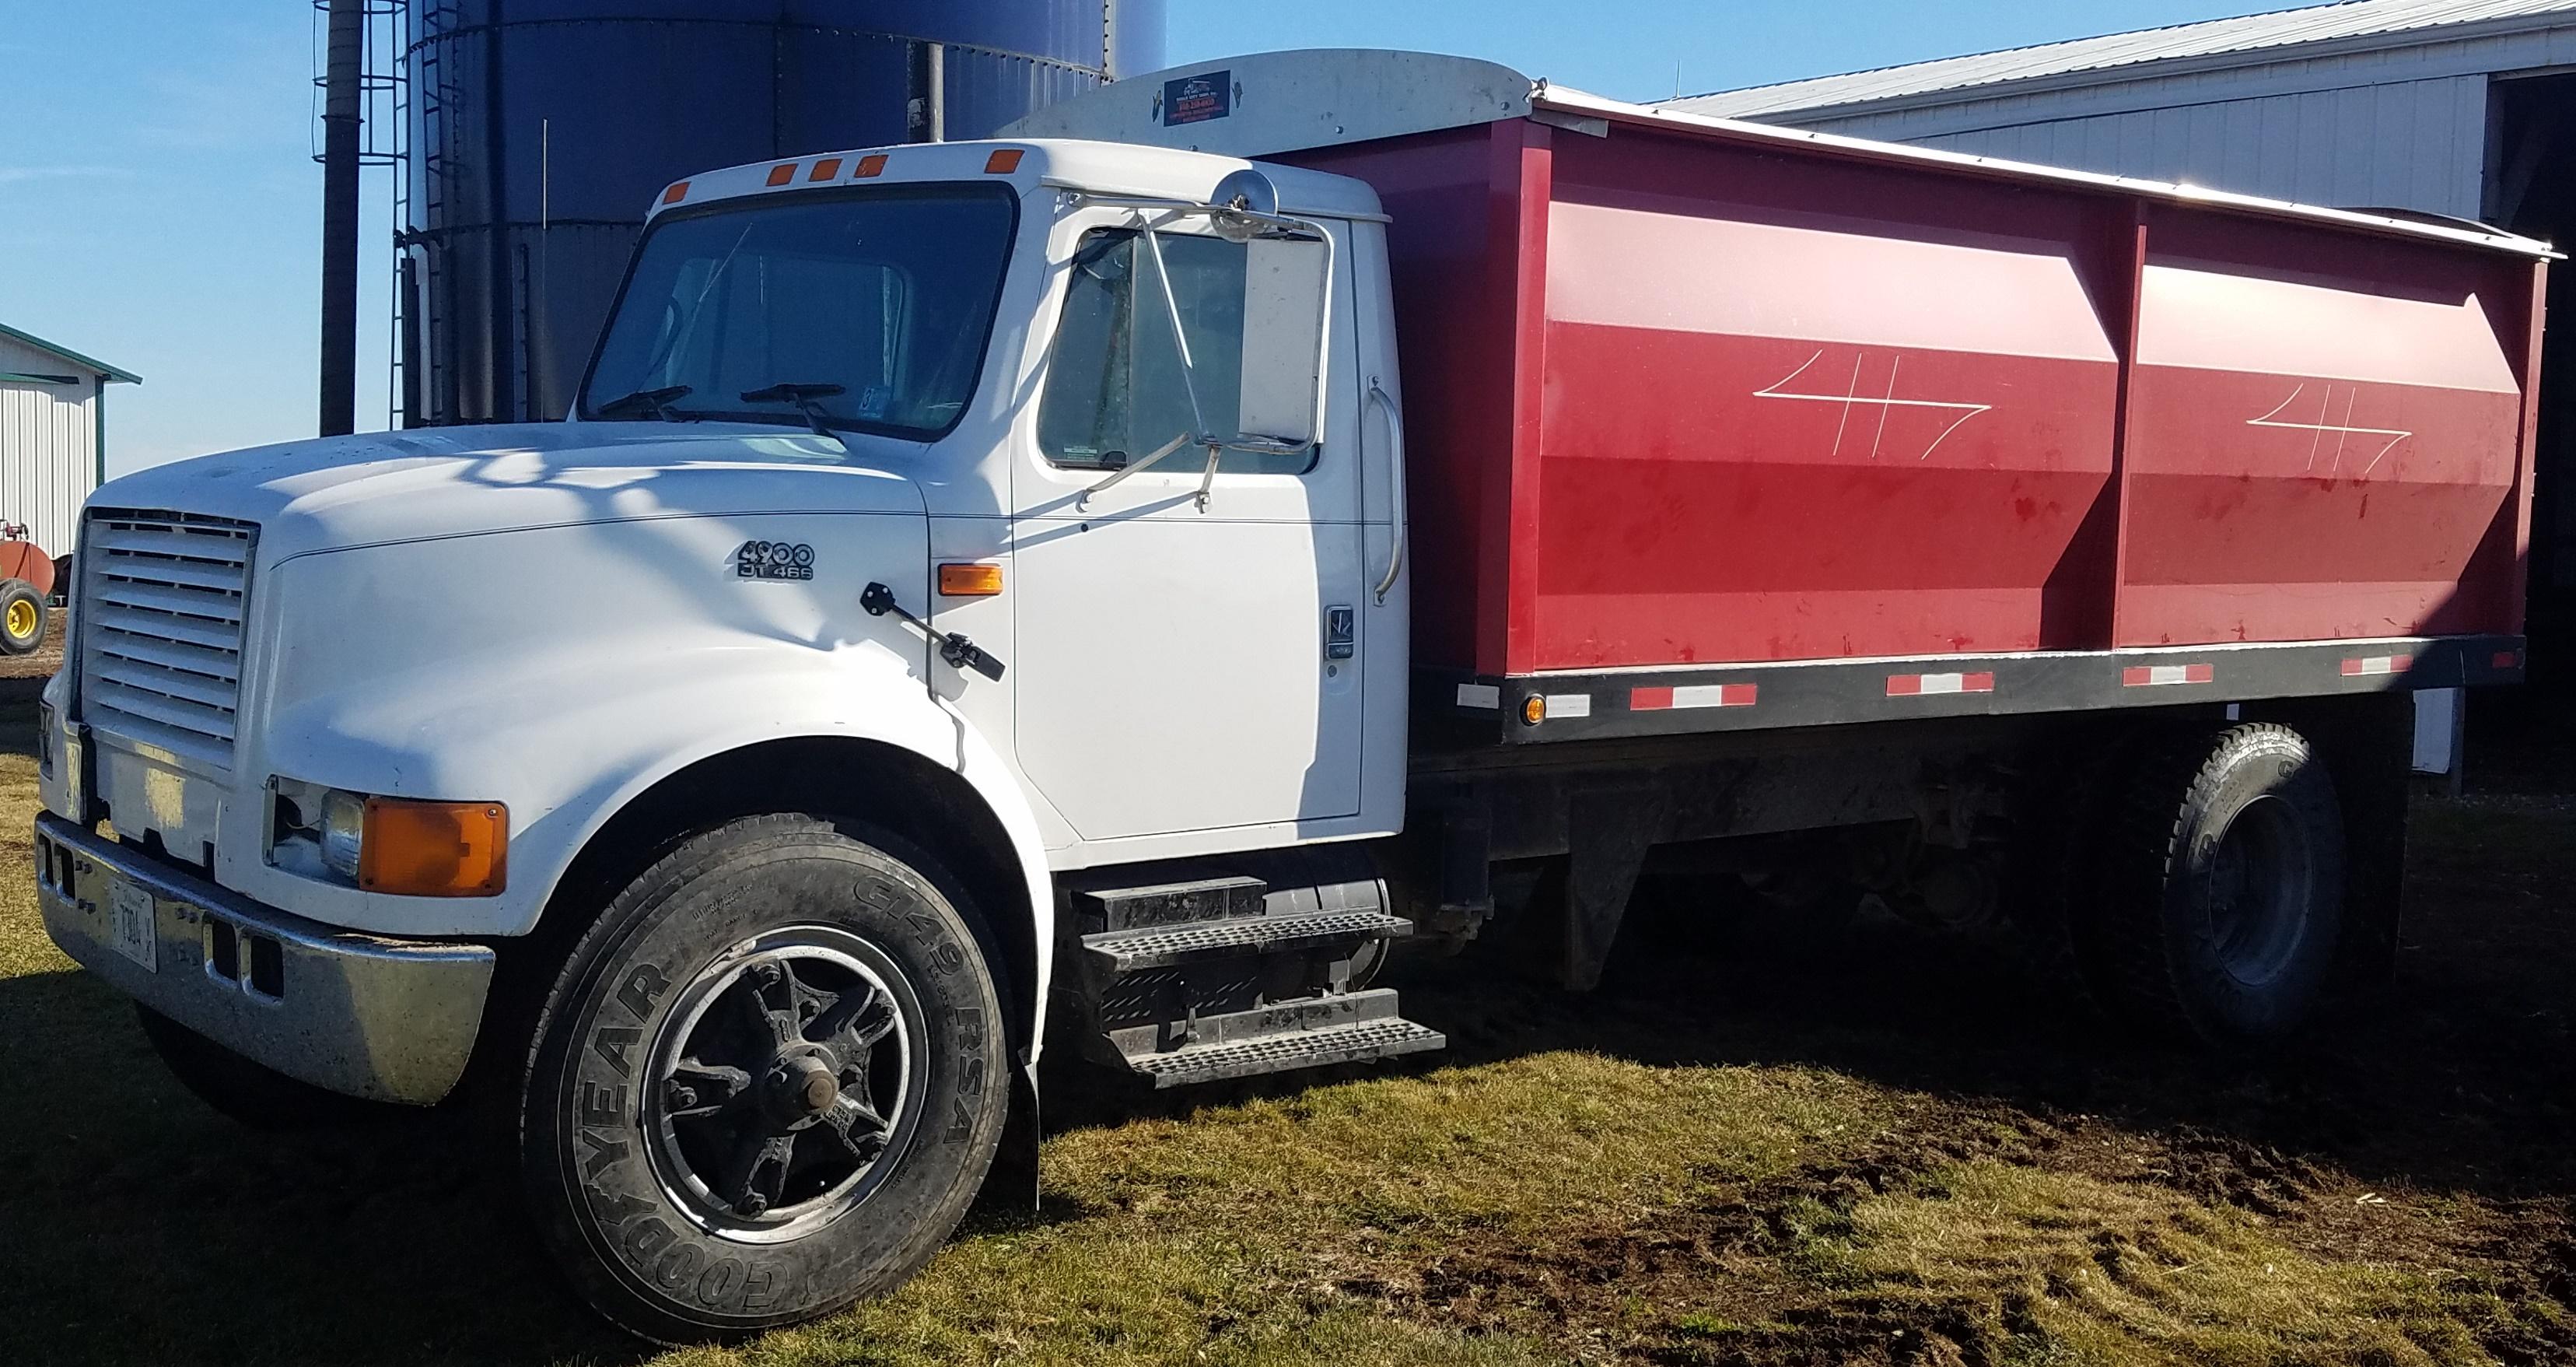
pixel 1114 389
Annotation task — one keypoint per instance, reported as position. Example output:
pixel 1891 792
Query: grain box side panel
pixel 1453 199
pixel 1803 408
pixel 2326 431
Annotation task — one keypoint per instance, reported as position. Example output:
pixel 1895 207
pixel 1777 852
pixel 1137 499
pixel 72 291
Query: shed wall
pixel 48 445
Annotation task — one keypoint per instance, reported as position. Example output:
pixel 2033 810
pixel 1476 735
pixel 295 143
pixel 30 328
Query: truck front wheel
pixel 2216 895
pixel 767 1082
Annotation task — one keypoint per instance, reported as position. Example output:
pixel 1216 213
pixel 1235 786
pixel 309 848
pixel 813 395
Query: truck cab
pixel 1024 507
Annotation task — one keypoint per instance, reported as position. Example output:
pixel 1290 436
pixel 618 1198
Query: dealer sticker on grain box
pixel 130 928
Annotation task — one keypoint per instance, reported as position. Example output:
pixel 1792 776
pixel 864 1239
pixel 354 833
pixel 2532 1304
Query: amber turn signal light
pixel 969 581
pixel 434 849
pixel 1533 710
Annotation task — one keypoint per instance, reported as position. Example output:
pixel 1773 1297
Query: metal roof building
pixel 2370 102
pixel 53 434
pixel 2464 108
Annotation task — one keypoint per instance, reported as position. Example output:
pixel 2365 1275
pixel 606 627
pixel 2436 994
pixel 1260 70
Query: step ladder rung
pixel 1358 1042
pixel 1153 948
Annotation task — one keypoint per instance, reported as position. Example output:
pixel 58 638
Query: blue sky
pixel 159 208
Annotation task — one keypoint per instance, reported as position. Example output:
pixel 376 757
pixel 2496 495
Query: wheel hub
pixel 788 1078
pixel 798 1089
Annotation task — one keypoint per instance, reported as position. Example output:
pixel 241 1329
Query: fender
pixel 567 705
pixel 569 756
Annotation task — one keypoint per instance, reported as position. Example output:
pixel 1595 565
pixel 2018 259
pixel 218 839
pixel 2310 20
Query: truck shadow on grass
pixel 138 1226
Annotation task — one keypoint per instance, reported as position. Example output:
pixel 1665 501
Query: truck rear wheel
pixel 2216 895
pixel 767 1082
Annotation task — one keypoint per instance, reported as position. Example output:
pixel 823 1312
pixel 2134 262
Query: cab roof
pixel 1114 170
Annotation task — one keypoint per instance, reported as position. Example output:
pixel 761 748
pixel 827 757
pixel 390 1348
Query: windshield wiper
pixel 654 401
pixel 807 398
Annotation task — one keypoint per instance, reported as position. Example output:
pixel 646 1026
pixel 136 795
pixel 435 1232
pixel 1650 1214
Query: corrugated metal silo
pixel 541 128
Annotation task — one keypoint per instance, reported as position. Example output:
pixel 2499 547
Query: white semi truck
pixel 991 583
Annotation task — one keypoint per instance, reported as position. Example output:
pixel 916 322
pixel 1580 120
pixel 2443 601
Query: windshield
pixel 867 310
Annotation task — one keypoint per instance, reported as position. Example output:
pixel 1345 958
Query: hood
pixel 337 492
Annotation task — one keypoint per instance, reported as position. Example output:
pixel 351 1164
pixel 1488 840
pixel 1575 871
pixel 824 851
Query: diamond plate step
pixel 1354 1043
pixel 1128 950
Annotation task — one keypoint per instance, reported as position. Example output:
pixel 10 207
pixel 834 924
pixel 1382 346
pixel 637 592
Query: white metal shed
pixel 53 434
pixel 2463 108
pixel 2370 102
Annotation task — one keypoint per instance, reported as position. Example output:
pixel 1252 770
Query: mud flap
pixel 1609 835
pixel 1011 1184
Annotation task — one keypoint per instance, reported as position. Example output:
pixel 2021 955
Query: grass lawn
pixel 1871 1147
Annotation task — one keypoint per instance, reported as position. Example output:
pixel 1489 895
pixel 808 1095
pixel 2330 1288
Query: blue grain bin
pixel 540 130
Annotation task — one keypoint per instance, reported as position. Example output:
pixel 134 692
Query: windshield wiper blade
pixel 654 401
pixel 808 400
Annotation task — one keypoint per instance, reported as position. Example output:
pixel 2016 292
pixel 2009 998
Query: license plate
pixel 130 922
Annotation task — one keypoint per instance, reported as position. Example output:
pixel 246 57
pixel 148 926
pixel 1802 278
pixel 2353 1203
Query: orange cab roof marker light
pixel 1002 162
pixel 872 165
pixel 780 175
pixel 679 191
pixel 825 169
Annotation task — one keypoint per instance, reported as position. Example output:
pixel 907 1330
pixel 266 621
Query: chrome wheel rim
pixel 786 1084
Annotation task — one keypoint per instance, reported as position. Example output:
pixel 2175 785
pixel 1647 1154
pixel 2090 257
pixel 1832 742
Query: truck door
pixel 1185 663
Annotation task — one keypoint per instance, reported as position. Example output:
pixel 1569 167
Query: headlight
pixel 342 830
pixel 388 844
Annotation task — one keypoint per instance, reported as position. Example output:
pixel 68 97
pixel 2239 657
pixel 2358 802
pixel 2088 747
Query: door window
pixel 1115 391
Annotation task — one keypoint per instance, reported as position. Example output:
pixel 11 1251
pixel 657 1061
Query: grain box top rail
pixel 1279 102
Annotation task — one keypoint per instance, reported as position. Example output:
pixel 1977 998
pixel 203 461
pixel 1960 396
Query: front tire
pixel 767 1083
pixel 2213 909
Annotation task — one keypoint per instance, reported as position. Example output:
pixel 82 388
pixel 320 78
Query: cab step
pixel 1126 951
pixel 1355 1027
pixel 1198 971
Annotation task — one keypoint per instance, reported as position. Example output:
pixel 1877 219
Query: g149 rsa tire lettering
pixel 696 1170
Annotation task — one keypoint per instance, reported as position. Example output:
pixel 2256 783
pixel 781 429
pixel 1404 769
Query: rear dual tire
pixel 767 1082
pixel 2204 894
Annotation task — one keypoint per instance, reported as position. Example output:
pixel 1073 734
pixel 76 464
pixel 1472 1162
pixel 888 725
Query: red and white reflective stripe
pixel 1922 685
pixel 2157 676
pixel 2378 664
pixel 2508 659
pixel 1692 695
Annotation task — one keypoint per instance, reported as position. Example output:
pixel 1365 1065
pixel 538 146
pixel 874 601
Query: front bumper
pixel 391 1020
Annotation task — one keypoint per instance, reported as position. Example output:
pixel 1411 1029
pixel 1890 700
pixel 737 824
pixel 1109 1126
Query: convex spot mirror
pixel 1284 289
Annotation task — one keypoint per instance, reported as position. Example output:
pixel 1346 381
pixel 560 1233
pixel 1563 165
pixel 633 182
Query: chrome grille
pixel 163 597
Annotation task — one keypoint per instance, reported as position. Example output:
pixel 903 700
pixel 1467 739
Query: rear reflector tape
pixel 2508 659
pixel 1561 705
pixel 1692 695
pixel 2377 664
pixel 1485 696
pixel 1924 685
pixel 2158 676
